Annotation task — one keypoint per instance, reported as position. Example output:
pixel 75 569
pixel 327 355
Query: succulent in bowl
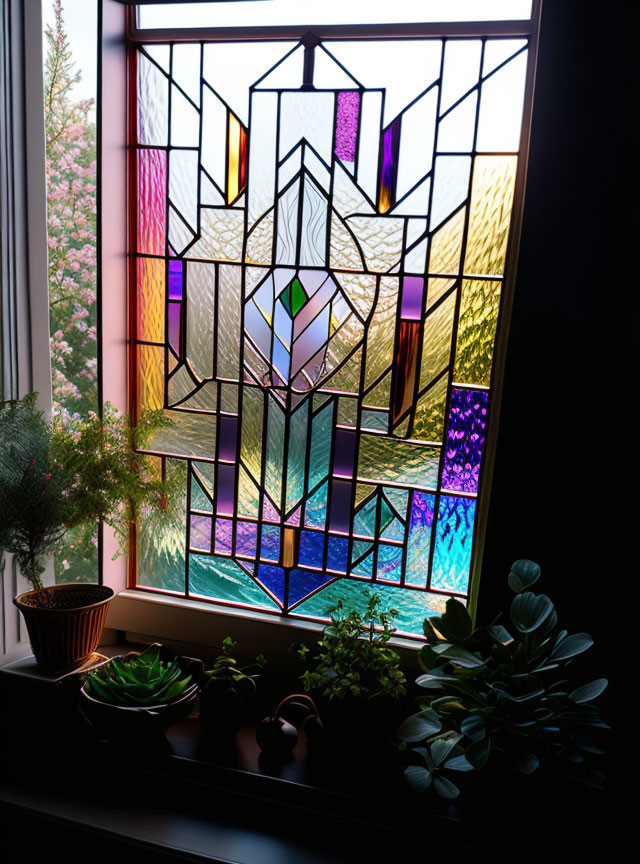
pixel 140 681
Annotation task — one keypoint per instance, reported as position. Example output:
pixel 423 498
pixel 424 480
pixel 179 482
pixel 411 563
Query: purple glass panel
pixel 412 293
pixel 345 451
pixel 389 175
pixel 269 512
pixel 223 536
pixel 200 536
pixel 228 435
pixel 175 314
pixel 175 280
pixel 246 538
pixel 465 440
pixel 294 519
pixel 347 115
pixel 340 505
pixel 226 489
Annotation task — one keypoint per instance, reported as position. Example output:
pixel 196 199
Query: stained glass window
pixel 322 232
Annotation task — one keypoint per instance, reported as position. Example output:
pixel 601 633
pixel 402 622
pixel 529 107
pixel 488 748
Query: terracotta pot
pixel 65 629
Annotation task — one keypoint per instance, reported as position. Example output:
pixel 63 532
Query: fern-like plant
pixel 138 682
pixel 69 472
pixel 353 657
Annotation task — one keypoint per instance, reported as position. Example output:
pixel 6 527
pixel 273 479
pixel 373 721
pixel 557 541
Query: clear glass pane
pixel 283 12
pixel 70 64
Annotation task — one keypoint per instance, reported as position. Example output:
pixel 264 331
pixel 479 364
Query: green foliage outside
pixel 71 228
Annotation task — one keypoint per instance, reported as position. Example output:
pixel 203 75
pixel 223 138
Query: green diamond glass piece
pixel 293 297
pixel 298 296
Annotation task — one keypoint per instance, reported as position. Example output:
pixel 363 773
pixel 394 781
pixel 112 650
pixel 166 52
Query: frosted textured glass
pixel 319 258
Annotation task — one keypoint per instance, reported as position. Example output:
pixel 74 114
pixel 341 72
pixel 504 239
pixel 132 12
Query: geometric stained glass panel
pixel 321 240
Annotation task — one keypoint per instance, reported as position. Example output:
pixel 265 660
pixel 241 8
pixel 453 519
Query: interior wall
pixel 565 469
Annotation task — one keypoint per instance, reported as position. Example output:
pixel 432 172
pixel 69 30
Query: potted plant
pixel 151 686
pixel 55 476
pixel 356 675
pixel 227 690
pixel 502 693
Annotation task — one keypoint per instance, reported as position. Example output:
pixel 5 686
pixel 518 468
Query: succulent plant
pixel 492 690
pixel 139 682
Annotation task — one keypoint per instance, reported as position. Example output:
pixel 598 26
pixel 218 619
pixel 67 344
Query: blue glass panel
pixel 311 548
pixel 337 552
pixel 419 538
pixel 270 547
pixel 273 579
pixel 389 562
pixel 454 541
pixel 303 582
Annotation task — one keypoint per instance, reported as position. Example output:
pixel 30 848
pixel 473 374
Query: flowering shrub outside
pixel 71 206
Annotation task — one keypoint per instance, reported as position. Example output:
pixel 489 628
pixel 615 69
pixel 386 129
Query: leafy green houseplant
pixel 502 692
pixel 57 475
pixel 227 690
pixel 355 673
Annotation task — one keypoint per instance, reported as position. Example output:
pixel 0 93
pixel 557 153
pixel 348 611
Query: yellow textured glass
pixel 151 277
pixel 479 310
pixel 490 215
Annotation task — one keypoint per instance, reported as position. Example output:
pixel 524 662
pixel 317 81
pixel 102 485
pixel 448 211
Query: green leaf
pixel 571 646
pixel 529 611
pixel 500 634
pixel 418 778
pixel 588 691
pixel 432 682
pixel 462 657
pixel 419 726
pixel 474 727
pixel 429 633
pixel 523 574
pixel 445 788
pixel 441 747
pixel 459 763
pixel 586 744
pixel 478 753
pixel 526 762
pixel 457 620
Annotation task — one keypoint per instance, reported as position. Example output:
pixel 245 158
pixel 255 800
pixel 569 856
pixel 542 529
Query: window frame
pixel 144 610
